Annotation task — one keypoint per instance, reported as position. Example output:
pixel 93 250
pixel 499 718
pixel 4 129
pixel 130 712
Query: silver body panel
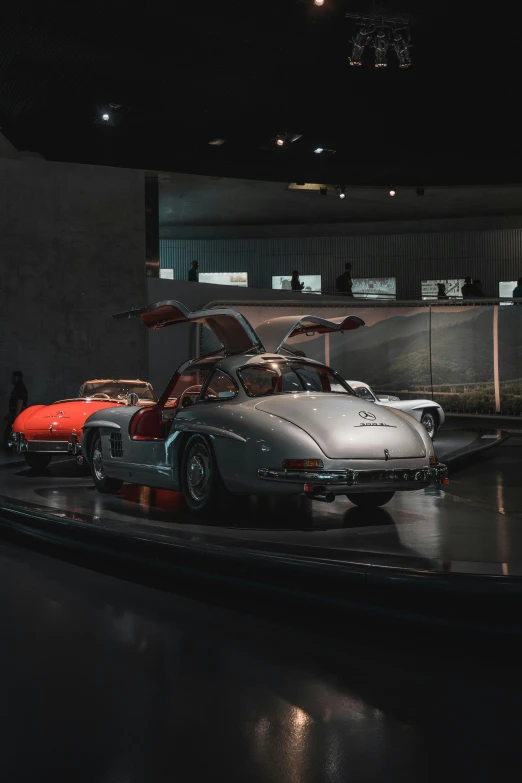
pixel 254 434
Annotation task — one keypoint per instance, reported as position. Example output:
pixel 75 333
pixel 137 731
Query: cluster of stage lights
pixel 382 33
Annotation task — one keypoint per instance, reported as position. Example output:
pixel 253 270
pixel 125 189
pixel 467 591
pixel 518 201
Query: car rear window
pixel 260 380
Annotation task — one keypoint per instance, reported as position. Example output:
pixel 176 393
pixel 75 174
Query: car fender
pixel 22 418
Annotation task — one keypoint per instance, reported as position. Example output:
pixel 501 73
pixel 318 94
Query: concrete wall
pixel 72 252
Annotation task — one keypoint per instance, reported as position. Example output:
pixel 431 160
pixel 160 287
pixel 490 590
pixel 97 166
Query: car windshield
pixel 289 377
pixel 119 390
pixel 364 392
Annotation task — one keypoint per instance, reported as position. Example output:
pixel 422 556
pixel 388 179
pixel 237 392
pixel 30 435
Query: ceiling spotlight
pixel 341 190
pixel 106 117
pixel 280 141
pixel 217 142
pixel 318 2
pixel 318 150
pixel 392 192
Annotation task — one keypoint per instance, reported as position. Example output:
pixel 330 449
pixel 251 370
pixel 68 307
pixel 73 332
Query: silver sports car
pixel 256 419
pixel 428 412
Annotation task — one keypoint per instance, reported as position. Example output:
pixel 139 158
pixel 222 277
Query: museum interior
pixel 261 389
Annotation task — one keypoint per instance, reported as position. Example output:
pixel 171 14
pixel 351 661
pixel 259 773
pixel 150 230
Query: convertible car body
pixel 428 412
pixel 254 419
pixel 42 431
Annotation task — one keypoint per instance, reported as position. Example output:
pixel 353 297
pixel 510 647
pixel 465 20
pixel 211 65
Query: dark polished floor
pixel 473 527
pixel 109 682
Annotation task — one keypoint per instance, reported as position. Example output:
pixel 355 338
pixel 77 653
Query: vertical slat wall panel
pixel 490 256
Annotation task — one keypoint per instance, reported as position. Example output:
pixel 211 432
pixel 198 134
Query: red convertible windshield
pixel 289 377
pixel 119 390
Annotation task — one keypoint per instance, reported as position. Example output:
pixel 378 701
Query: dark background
pixel 186 72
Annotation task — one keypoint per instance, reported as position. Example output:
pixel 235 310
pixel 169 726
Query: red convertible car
pixel 41 431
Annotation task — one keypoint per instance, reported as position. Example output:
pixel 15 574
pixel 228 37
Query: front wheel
pixel 37 461
pixel 103 483
pixel 429 420
pixel 370 499
pixel 201 484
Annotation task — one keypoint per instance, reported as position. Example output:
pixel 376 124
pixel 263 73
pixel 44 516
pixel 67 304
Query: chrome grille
pixel 116 445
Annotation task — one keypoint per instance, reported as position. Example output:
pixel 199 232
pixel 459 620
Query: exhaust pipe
pixel 320 493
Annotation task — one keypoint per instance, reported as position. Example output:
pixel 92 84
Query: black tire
pixel 430 421
pixel 103 483
pixel 370 499
pixel 201 483
pixel 37 461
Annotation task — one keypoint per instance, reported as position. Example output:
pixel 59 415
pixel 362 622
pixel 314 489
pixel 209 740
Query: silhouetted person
pixel 343 283
pixel 17 402
pixel 441 293
pixel 467 289
pixel 517 292
pixel 296 283
pixel 193 275
pixel 477 289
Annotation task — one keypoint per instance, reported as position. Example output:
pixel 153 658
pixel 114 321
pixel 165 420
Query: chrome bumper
pixel 18 442
pixel 407 478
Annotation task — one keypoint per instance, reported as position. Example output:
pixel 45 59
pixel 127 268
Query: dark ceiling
pixel 186 72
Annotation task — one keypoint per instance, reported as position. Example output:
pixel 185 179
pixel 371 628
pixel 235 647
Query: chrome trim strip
pixel 413 476
pixel 51 446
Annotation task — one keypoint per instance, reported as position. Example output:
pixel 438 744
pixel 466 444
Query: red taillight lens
pixel 300 464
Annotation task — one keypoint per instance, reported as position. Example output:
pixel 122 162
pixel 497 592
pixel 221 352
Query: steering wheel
pixel 192 391
pixel 101 396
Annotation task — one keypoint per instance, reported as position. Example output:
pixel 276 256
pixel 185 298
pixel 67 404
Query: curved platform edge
pixel 464 602
pixel 476 447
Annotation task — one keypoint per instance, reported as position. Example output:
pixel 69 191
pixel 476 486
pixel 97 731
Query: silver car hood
pixel 345 427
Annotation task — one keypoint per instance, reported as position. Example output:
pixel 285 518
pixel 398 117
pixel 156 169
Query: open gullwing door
pixel 277 331
pixel 231 328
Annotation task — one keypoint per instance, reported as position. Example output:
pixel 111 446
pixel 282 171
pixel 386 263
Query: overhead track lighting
pixel 382 32
pixel 287 138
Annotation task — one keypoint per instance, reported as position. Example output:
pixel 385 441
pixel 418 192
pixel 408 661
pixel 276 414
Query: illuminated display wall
pixel 430 289
pixel 312 283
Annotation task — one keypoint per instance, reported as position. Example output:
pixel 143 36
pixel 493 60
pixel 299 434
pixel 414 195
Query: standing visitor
pixel 517 292
pixel 193 275
pixel 296 283
pixel 17 402
pixel 477 289
pixel 467 289
pixel 441 293
pixel 344 283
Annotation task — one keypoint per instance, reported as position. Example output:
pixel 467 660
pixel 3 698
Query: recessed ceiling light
pixel 318 150
pixel 217 142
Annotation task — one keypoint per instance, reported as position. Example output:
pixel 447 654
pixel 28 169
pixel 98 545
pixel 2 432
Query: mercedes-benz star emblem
pixel 367 415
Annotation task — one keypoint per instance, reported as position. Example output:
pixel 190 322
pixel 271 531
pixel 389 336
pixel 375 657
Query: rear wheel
pixel 370 499
pixel 202 486
pixel 430 421
pixel 103 483
pixel 37 461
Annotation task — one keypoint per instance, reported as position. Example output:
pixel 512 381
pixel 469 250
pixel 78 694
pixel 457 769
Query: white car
pixel 427 412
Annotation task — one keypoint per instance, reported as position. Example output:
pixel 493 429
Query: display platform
pixel 470 534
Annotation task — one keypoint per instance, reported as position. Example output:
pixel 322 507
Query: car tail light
pixel 433 460
pixel 299 464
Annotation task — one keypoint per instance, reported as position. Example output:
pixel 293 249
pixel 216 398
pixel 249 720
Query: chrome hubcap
pixel 198 472
pixel 429 423
pixel 97 462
